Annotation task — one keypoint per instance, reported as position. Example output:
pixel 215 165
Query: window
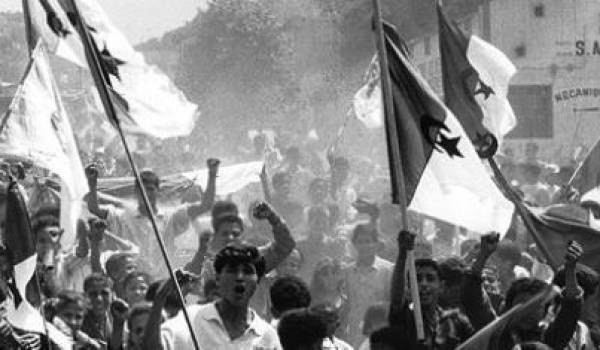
pixel 538 10
pixel 532 105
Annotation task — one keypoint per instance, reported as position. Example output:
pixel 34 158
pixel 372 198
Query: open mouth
pixel 239 289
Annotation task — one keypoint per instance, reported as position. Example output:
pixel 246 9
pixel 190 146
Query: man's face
pixel 136 330
pixel 48 243
pixel 291 265
pixel 72 314
pixel 318 193
pixel 227 232
pixel 365 245
pixel 127 266
pixel 429 285
pixel 151 191
pixel 100 297
pixel 237 283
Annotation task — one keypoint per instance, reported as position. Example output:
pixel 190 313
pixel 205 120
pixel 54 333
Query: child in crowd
pixel 71 308
pixel 134 287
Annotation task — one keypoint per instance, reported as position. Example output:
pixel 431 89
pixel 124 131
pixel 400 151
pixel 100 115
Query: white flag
pixel 36 128
pixel 154 105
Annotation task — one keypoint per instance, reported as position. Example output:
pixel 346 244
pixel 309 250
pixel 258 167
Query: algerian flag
pixel 443 175
pixel 476 76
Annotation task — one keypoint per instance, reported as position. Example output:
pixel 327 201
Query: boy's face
pixel 291 265
pixel 237 283
pixel 100 296
pixel 126 266
pixel 47 244
pixel 136 330
pixel 429 284
pixel 135 290
pixel 365 245
pixel 72 314
pixel 227 232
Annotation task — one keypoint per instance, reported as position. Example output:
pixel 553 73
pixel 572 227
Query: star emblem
pixel 110 63
pixel 484 89
pixel 433 127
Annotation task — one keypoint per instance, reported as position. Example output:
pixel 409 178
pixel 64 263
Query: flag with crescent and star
pixel 476 76
pixel 443 175
pixel 146 100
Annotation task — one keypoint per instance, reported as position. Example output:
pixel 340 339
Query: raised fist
pixel 213 165
pixel 574 251
pixel 91 172
pixel 489 243
pixel 263 211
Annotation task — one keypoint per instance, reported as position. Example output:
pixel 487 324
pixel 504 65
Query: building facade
pixel 555 45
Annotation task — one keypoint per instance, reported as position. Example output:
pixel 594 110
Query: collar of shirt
pixel 255 323
pixel 159 214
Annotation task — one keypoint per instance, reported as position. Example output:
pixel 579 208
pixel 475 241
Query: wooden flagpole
pixel 103 91
pixel 394 149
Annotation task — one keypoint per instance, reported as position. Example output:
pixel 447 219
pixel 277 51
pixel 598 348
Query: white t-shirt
pixel 212 335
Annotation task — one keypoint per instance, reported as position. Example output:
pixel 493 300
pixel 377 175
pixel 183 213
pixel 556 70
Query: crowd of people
pixel 318 263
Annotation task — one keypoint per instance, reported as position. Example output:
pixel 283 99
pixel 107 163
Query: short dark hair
pixel 288 293
pixel 172 300
pixel 329 314
pixel 388 337
pixel 368 229
pixel 227 218
pixel 45 217
pixel 116 259
pixel 68 297
pixel 424 262
pixel 137 310
pixel 240 254
pixel 452 270
pixel 94 278
pixel 527 285
pixel 300 329
pixel 222 208
pixel 133 275
pixel 587 278
pixel 149 177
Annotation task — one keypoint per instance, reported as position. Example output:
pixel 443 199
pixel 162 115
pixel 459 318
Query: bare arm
pixel 92 197
pixel 195 266
pixel 152 334
pixel 197 209
pixel 283 244
pixel 473 297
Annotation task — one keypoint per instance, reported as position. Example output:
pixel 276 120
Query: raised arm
pixel 91 172
pixel 96 236
pixel 197 209
pixel 406 242
pixel 152 338
pixel 561 330
pixel 473 297
pixel 283 244
pixel 195 266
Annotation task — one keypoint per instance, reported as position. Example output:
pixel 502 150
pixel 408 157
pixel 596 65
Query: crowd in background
pixel 317 263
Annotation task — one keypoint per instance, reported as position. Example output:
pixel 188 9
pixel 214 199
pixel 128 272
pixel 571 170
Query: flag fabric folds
pixel 36 128
pixel 587 175
pixel 476 76
pixel 443 175
pixel 489 337
pixel 146 100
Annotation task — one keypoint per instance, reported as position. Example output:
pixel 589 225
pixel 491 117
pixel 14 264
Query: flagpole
pixel 103 91
pixel 395 159
pixel 512 196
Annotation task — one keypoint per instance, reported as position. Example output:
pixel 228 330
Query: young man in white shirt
pixel 228 323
